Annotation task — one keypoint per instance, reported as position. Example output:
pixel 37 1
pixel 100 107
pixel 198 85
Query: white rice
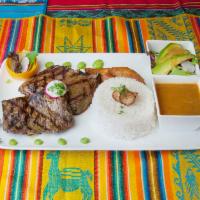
pixel 137 120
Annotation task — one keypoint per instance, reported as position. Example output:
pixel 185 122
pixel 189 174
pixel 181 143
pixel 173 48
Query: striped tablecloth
pixel 97 175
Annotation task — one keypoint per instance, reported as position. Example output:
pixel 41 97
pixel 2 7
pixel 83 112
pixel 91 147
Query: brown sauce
pixel 178 99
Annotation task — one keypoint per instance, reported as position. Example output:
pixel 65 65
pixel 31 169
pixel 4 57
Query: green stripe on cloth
pixel 117 175
pixel 18 175
pixel 109 35
pixel 37 35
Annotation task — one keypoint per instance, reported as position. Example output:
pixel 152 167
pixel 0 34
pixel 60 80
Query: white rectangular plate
pixel 157 140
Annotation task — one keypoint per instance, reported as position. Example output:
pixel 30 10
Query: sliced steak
pixel 20 117
pixel 81 86
pixel 58 110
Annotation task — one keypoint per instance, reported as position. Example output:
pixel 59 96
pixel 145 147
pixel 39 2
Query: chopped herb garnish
pixel 120 112
pixel 121 89
pixel 58 88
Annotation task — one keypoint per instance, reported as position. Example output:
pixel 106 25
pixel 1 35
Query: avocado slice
pixel 177 71
pixel 172 49
pixel 167 66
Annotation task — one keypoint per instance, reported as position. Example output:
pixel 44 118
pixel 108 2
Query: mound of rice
pixel 136 120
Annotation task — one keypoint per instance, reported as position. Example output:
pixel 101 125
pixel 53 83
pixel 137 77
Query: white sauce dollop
pixel 56 89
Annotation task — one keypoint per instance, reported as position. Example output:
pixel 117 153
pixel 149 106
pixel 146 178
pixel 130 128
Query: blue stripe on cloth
pixel 12 30
pixel 145 178
pixel 14 35
pixel 130 39
pixel 20 11
pixel 160 176
pixel 140 36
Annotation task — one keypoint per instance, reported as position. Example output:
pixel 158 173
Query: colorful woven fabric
pixel 99 175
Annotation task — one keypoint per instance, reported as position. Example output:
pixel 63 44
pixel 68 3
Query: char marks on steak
pixel 81 86
pixel 58 109
pixel 20 117
pixel 37 112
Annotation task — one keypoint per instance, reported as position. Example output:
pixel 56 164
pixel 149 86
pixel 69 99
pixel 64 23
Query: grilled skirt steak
pixel 36 112
pixel 81 86
pixel 58 110
pixel 20 117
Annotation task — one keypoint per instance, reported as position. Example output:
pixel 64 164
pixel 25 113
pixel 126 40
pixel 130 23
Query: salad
pixel 173 59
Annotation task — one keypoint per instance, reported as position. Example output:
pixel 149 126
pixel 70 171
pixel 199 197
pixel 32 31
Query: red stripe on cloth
pixel 19 35
pixel 92 2
pixel 22 39
pixel 113 6
pixel 196 28
pixel 5 38
pixel 93 35
pixel 2 152
pixel 53 35
pixel 43 34
pixel 184 2
pixel 34 27
pixel 10 180
pixel 126 175
pixel 109 176
pixel 39 178
pixel 96 175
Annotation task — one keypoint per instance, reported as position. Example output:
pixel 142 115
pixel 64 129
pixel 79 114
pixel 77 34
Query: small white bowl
pixel 158 45
pixel 176 122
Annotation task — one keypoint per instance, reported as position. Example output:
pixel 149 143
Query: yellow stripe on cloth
pixel 6 173
pixel 102 175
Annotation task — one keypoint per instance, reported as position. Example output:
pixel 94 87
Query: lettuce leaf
pixel 31 56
